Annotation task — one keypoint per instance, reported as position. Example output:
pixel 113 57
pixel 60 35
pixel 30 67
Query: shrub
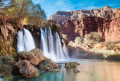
pixel 78 40
pixel 6 67
pixel 92 38
pixel 115 57
pixel 55 28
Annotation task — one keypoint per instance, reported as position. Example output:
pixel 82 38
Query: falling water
pixel 25 41
pixel 51 45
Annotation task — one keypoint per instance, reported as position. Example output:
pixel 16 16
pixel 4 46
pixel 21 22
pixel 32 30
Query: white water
pixel 25 41
pixel 50 44
pixel 52 47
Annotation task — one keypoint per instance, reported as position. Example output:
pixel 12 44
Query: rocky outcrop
pixel 26 69
pixel 35 56
pixel 31 62
pixel 75 28
pixel 48 65
pixel 109 28
pixel 112 29
pixel 106 12
pixel 8 31
pixel 73 66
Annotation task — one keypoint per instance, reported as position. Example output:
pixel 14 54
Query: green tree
pixel 25 9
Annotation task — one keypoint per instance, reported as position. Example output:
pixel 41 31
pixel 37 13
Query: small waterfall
pixel 51 45
pixel 25 41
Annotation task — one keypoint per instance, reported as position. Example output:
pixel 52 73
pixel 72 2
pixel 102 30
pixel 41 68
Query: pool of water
pixel 90 70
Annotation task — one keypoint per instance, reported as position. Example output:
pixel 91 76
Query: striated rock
pixel 109 28
pixel 76 28
pixel 35 56
pixel 26 69
pixel 112 29
pixel 8 31
pixel 106 12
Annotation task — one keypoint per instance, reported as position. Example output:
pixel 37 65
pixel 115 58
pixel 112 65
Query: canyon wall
pixel 104 20
pixel 106 12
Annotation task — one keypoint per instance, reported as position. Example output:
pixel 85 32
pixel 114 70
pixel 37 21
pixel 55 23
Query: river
pixel 90 70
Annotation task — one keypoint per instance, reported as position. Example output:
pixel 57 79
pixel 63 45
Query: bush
pixel 92 38
pixel 6 67
pixel 115 57
pixel 55 28
pixel 78 40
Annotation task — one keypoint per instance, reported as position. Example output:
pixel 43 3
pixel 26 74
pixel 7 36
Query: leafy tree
pixel 24 9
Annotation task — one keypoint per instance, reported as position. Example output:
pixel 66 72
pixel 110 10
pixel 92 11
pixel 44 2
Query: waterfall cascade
pixel 25 41
pixel 50 44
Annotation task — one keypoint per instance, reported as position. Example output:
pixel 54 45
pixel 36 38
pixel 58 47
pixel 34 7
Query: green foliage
pixel 112 46
pixel 55 28
pixel 115 57
pixel 24 9
pixel 92 38
pixel 6 67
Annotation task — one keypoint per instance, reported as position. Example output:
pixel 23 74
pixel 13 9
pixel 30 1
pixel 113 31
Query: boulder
pixel 75 70
pixel 48 65
pixel 26 69
pixel 71 65
pixel 35 56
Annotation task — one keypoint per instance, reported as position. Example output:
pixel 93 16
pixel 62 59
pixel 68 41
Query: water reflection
pixel 90 70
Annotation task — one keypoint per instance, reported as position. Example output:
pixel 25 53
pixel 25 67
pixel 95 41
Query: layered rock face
pixel 106 12
pixel 8 31
pixel 105 20
pixel 81 27
pixel 112 30
pixel 109 28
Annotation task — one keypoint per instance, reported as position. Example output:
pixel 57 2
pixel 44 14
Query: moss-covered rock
pixel 48 65
pixel 6 67
pixel 71 65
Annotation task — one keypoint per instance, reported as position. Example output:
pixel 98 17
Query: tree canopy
pixel 25 10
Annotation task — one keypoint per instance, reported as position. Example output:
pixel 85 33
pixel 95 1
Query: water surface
pixel 90 70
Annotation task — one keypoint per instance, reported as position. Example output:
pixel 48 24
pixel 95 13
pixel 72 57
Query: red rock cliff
pixel 110 28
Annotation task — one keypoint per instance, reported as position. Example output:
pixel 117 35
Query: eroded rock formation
pixel 26 69
pixel 109 28
pixel 106 12
pixel 8 31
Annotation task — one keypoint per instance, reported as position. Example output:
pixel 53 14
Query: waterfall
pixel 25 41
pixel 51 45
